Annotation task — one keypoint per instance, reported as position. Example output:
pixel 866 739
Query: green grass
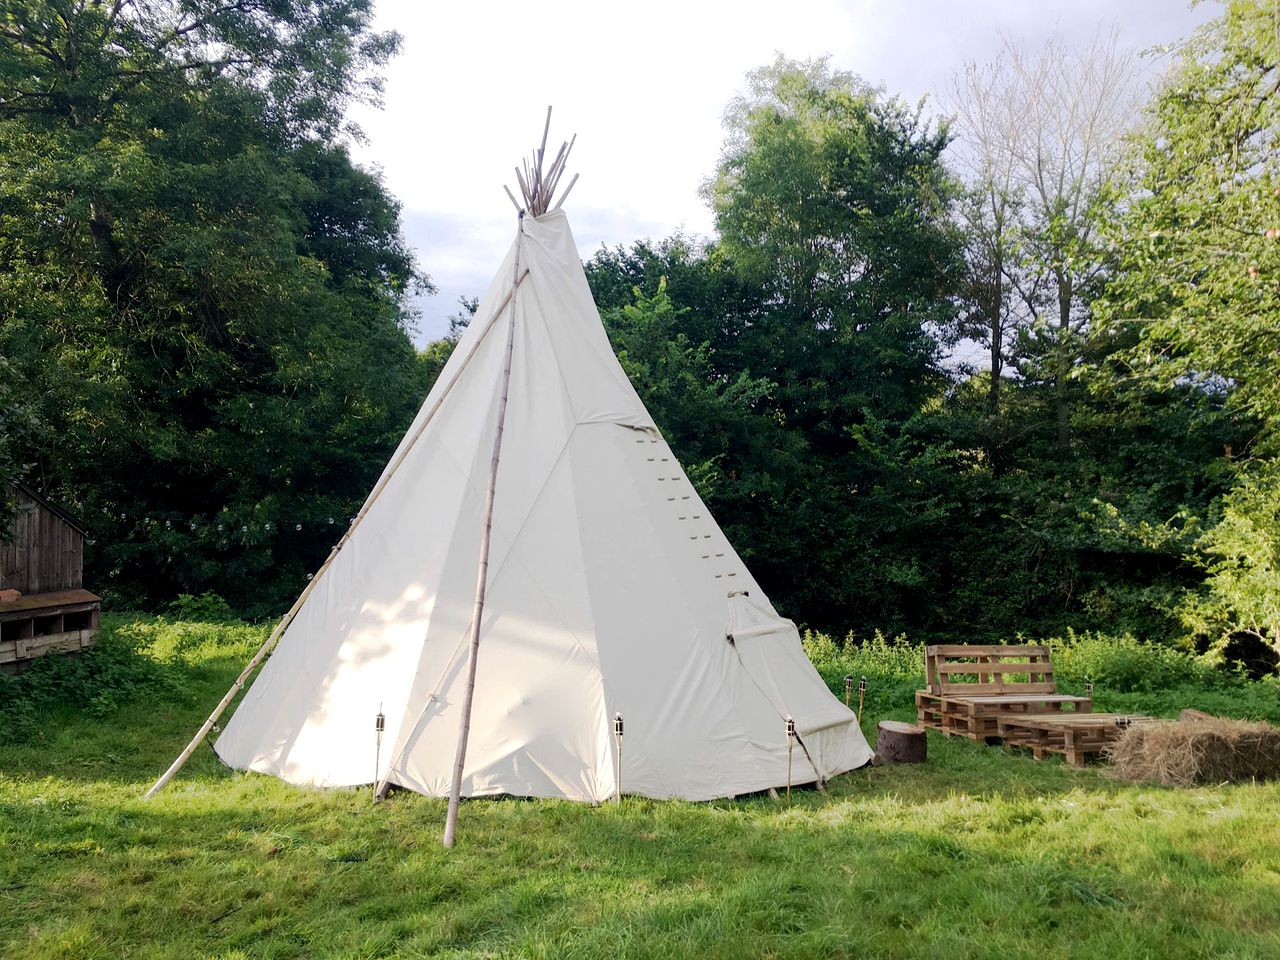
pixel 975 854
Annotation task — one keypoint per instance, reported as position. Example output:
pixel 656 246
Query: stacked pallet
pixel 1077 737
pixel 972 686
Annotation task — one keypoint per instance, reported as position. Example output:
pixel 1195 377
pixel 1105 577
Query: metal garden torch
pixel 617 757
pixel 379 725
pixel 862 697
pixel 848 687
pixel 791 742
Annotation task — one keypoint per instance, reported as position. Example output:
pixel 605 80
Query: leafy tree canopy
pixel 1196 298
pixel 201 294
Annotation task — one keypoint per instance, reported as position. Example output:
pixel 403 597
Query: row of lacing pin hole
pixel 683 502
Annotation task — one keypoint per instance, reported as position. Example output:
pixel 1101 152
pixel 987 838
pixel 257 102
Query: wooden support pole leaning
pixel 267 647
pixel 258 657
pixel 482 567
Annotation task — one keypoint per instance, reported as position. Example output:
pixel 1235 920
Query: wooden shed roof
pixel 51 506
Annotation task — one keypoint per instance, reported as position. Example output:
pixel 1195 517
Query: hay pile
pixel 1202 750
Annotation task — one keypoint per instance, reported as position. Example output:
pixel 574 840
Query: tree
pixel 708 417
pixel 1040 136
pixel 1195 301
pixel 831 201
pixel 208 293
pixel 17 424
pixel 991 216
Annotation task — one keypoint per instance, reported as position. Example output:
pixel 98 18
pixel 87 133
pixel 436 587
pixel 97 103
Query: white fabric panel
pixel 609 591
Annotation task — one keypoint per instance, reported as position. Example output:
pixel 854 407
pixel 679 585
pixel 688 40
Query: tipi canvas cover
pixel 610 590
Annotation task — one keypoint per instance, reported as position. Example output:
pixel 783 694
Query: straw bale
pixel 1197 751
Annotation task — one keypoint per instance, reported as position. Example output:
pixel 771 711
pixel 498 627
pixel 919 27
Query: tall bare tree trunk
pixel 995 319
pixel 1063 360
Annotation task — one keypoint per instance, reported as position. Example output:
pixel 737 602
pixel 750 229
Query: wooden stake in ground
pixel 617 771
pixel 482 570
pixel 791 742
pixel 379 725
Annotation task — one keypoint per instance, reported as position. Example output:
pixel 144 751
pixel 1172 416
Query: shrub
pixel 114 671
pixel 132 659
pixel 1124 664
pixel 206 608
pixel 894 668
pixel 1128 675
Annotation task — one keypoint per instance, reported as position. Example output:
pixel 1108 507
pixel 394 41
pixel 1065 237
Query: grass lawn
pixel 976 854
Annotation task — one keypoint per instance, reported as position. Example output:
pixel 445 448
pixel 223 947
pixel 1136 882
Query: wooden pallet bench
pixel 1075 736
pixel 970 686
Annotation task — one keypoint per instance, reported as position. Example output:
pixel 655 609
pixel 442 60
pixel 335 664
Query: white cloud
pixel 644 86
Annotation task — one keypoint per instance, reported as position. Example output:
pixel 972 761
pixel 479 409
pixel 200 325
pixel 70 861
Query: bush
pixel 114 671
pixel 206 608
pixel 1128 675
pixel 132 659
pixel 894 668
pixel 1123 664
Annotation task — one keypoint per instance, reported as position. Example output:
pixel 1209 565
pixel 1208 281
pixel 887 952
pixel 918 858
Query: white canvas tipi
pixel 610 590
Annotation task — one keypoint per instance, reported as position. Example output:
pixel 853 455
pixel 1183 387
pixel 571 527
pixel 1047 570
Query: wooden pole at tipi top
pixel 280 627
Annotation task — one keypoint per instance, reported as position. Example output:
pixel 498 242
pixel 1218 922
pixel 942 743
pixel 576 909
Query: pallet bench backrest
pixel 964 669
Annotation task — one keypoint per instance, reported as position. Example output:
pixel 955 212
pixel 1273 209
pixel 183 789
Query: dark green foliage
pixel 1128 675
pixel 200 294
pixel 208 607
pixel 1195 301
pixel 116 670
pixel 816 340
pixel 203 349
pixel 869 485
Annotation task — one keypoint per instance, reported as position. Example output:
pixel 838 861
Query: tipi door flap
pixel 770 651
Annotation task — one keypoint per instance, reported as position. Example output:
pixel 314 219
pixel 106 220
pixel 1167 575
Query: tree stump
pixel 898 742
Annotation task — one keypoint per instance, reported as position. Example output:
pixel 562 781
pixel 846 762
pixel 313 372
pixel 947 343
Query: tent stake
pixel 482 570
pixel 791 742
pixel 280 627
pixel 379 724
pixel 617 768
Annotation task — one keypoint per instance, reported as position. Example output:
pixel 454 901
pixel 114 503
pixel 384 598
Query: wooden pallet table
pixel 978 718
pixel 1076 736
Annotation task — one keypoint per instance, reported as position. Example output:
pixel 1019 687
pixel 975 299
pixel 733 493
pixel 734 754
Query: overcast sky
pixel 644 85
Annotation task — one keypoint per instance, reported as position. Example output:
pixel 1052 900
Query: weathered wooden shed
pixel 43 564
